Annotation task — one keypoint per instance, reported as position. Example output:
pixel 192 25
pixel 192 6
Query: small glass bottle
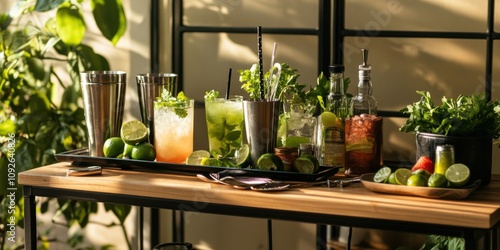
pixel 364 102
pixel 337 101
pixel 333 136
pixel 445 157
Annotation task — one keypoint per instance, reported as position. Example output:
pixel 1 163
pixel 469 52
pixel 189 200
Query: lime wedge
pixel 134 132
pixel 401 175
pixel 270 161
pixel 242 155
pixel 458 175
pixel 197 156
pixel 382 175
pixel 306 164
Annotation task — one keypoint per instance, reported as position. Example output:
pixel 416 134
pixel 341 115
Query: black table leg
pixel 321 237
pixel 30 236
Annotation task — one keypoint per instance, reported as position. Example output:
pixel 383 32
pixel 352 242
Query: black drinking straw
pixel 228 87
pixel 259 53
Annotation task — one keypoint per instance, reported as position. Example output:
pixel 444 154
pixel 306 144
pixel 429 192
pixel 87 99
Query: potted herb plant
pixel 470 123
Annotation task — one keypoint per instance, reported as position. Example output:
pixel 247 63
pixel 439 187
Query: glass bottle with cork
pixel 333 133
pixel 363 131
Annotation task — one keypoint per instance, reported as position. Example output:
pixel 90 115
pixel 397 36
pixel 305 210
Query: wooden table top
pixel 480 210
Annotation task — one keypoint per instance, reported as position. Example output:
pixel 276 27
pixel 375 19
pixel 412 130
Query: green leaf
pixel 120 211
pixel 110 18
pixel 70 24
pixel 46 5
pixel 7 127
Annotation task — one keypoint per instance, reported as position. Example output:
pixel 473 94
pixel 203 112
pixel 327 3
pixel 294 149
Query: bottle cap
pixel 337 68
pixel 365 68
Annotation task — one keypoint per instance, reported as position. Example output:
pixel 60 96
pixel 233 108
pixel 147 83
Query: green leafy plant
pixel 36 38
pixel 287 84
pixel 438 242
pixel 464 116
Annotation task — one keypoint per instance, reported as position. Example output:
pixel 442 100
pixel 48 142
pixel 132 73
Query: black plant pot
pixel 473 151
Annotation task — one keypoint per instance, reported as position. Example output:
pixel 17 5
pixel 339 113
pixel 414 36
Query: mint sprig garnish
pixel 211 95
pixel 179 103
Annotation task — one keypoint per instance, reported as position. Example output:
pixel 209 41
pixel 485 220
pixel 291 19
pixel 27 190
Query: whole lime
pixel 144 151
pixel 113 147
pixel 417 180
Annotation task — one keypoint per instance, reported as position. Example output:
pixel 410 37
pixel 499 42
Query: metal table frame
pixel 472 236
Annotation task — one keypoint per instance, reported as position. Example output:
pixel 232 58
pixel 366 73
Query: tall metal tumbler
pixel 103 101
pixel 261 125
pixel 150 86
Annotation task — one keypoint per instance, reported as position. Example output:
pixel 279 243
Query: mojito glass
pixel 363 140
pixel 173 132
pixel 225 121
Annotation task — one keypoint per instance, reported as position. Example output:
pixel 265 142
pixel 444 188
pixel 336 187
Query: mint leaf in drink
pixel 211 95
pixel 179 103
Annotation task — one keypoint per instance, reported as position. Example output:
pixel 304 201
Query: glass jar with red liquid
pixel 363 139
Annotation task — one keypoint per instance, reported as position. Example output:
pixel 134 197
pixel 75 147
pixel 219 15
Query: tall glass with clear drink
pixel 173 131
pixel 225 121
pixel 363 140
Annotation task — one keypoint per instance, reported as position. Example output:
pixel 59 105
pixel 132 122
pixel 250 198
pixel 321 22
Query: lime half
pixel 270 161
pixel 401 175
pixel 306 164
pixel 242 155
pixel 197 156
pixel 134 132
pixel 458 175
pixel 382 175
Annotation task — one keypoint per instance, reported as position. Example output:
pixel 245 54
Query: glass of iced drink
pixel 363 139
pixel 225 121
pixel 173 128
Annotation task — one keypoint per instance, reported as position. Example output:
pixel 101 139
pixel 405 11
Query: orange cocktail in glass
pixel 173 130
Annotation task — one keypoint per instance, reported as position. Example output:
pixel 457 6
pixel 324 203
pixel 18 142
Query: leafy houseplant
pixel 470 123
pixel 34 124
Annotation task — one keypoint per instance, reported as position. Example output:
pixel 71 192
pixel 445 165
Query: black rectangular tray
pixel 80 157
